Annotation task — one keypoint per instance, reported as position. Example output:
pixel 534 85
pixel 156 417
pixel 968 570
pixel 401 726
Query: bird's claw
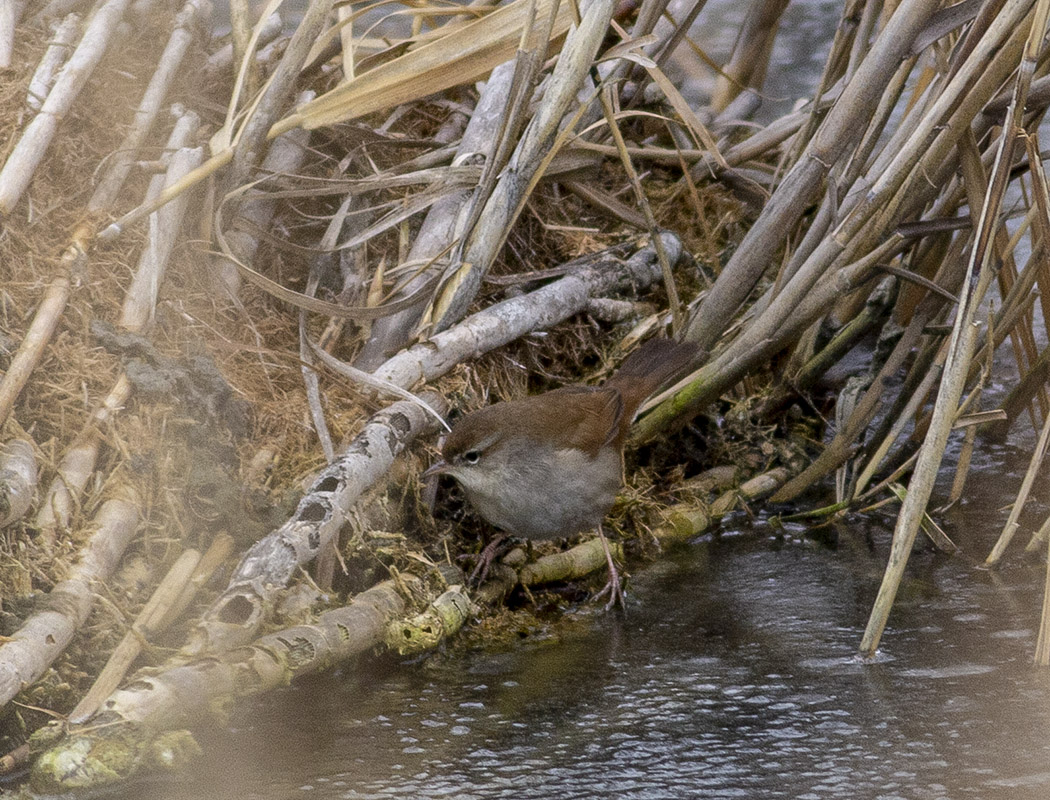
pixel 614 588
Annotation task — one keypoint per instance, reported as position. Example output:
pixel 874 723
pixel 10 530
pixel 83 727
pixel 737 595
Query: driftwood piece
pixel 47 632
pixel 270 563
pixel 31 348
pixel 756 488
pixel 18 479
pixel 682 522
pixel 130 646
pixel 124 737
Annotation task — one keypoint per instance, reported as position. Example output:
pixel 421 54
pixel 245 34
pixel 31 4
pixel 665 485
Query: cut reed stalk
pixel 18 479
pixel 27 154
pixel 55 55
pixel 45 634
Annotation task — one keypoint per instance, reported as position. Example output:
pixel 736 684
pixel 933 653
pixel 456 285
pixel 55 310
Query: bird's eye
pixel 471 456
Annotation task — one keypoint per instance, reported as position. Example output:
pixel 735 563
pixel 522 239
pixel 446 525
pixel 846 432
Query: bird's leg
pixel 485 559
pixel 614 586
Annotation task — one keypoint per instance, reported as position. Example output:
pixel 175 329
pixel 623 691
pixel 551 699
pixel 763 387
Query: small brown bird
pixel 550 465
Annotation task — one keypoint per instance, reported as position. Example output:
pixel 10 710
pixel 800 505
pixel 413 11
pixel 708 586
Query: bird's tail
pixel 650 367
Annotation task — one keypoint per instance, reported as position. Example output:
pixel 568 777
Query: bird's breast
pixel 552 495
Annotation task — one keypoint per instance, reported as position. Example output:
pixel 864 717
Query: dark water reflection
pixel 733 676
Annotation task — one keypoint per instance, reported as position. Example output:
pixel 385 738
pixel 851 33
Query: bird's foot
pixel 614 588
pixel 485 559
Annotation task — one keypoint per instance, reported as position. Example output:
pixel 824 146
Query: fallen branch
pixel 504 322
pixel 136 727
pixel 238 613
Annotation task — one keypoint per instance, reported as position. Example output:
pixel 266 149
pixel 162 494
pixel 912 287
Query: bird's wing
pixel 592 421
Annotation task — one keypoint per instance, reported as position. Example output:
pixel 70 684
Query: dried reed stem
pixel 31 348
pixel 171 597
pixel 836 134
pixel 47 632
pixel 960 348
pixel 78 463
pixel 142 629
pixel 10 14
pixel 54 56
pixel 749 61
pixel 256 210
pixel 18 479
pixel 18 170
pixel 1012 524
pixel 1042 644
pixel 249 141
pixel 533 153
pixel 443 223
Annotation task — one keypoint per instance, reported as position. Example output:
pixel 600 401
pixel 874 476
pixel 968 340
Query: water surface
pixel 733 675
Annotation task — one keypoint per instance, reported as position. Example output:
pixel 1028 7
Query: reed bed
pixel 247 276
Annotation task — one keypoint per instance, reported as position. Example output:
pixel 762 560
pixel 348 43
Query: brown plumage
pixel 550 465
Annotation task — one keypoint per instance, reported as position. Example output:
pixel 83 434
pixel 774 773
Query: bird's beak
pixel 437 468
